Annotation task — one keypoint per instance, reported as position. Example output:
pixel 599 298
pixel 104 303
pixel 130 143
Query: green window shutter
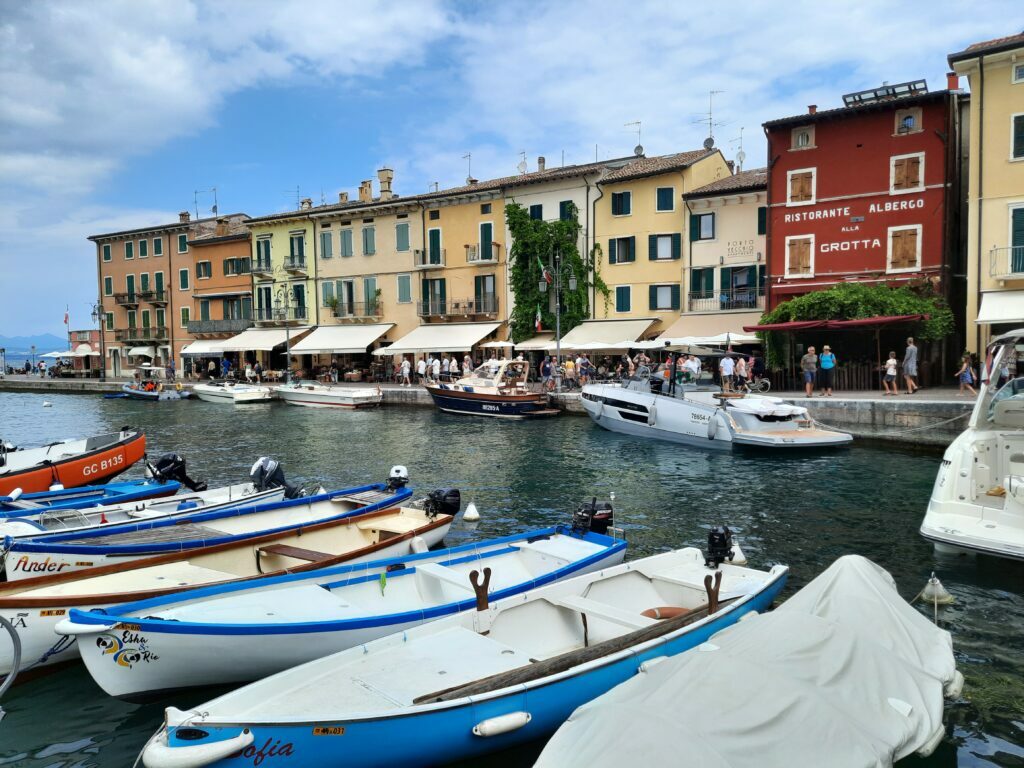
pixel 652 296
pixel 402 236
pixel 612 248
pixel 537 212
pixel 675 296
pixel 486 238
pixel 627 203
pixel 632 248
pixel 1018 136
pixel 652 247
pixel 694 227
pixel 725 278
pixel 444 296
pixel 143 248
pixel 677 245
pixel 327 289
pixel 762 220
pixel 616 203
pixel 696 278
pixel 751 278
pixel 709 281
pixel 225 309
pixel 664 199
pixel 425 286
pixel 760 278
pixel 247 307
pixel 435 246
pixel 565 210
pixel 144 282
pixel 622 295
pixel 145 318
pixel 158 246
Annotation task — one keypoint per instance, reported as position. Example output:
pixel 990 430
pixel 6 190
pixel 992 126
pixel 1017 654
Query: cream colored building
pixel 995 220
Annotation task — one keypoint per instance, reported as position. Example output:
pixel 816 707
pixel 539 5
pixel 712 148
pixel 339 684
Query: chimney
pixel 366 191
pixel 222 227
pixel 306 203
pixel 952 81
pixel 540 163
pixel 343 197
pixel 184 217
pixel 385 176
pixel 812 108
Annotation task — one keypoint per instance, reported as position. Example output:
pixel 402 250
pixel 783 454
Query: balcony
pixel 358 311
pixel 429 258
pixel 157 297
pixel 485 253
pixel 295 264
pixel 267 316
pixel 483 305
pixel 153 333
pixel 130 299
pixel 212 327
pixel 736 300
pixel 262 267
pixel 1006 263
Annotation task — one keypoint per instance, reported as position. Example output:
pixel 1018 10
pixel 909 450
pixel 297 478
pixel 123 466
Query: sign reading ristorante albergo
pixel 859 194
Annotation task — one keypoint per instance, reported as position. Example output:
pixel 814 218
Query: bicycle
pixel 757 386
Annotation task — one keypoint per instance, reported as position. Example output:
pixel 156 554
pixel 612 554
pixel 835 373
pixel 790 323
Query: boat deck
pixel 163 534
pixel 365 497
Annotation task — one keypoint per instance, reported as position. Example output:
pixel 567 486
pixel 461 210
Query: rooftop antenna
pixel 215 208
pixel 522 162
pixel 709 120
pixel 638 150
pixel 323 200
pixel 563 158
pixel 195 201
pixel 468 157
pixel 740 155
pixel 595 153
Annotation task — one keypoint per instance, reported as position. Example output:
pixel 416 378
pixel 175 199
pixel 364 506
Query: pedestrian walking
pixel 809 366
pixel 741 372
pixel 910 367
pixel 467 364
pixel 827 361
pixel 546 381
pixel 966 376
pixel 445 367
pixel 453 368
pixel 257 372
pixel 225 366
pixel 421 370
pixel 891 366
pixel 404 371
pixel 435 369
pixel 726 372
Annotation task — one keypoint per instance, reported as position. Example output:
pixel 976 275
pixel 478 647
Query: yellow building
pixel 995 220
pixel 284 259
pixel 640 226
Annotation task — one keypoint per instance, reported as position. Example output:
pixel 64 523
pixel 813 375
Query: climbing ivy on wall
pixel 534 243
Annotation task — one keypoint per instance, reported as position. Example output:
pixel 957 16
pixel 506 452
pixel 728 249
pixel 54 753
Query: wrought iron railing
pixel 230 325
pixel 428 258
pixel 716 301
pixel 485 304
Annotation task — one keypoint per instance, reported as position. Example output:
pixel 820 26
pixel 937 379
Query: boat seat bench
pixel 441 573
pixel 604 611
pixel 297 553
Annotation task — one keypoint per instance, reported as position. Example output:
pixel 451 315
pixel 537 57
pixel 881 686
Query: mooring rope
pixel 887 434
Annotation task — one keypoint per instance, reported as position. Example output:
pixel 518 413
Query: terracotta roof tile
pixel 755 178
pixel 649 166
pixel 1000 43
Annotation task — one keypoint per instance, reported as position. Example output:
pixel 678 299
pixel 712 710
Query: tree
pixel 534 245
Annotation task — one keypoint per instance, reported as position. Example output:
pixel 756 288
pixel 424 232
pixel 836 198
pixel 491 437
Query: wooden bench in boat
pixel 442 573
pixel 364 498
pixel 604 611
pixel 298 553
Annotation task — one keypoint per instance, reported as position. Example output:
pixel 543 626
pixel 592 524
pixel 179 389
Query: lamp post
pixel 281 313
pixel 97 317
pixel 34 359
pixel 543 285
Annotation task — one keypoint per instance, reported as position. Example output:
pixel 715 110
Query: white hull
pixel 322 396
pixel 701 419
pixel 237 394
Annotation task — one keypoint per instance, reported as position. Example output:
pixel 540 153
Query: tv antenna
pixel 468 157
pixel 709 120
pixel 195 199
pixel 638 150
pixel 740 155
pixel 522 162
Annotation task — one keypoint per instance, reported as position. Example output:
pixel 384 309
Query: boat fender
pixel 652 415
pixel 418 545
pixel 664 612
pixel 15 495
pixel 713 426
pixel 495 726
pixel 158 754
pixel 57 487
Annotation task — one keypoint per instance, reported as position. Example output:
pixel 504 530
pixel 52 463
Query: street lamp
pixel 281 314
pixel 543 285
pixel 97 317
pixel 34 358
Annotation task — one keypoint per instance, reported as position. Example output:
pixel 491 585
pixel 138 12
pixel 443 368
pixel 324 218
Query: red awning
pixel 836 325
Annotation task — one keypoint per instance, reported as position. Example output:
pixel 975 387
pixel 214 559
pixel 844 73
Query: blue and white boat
pixel 493 389
pixel 472 683
pixel 87 496
pixel 63 552
pixel 268 625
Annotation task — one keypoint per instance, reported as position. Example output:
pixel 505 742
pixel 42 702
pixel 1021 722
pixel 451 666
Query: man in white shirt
pixel 421 369
pixel 445 364
pixel 436 369
pixel 404 370
pixel 726 368
pixel 467 364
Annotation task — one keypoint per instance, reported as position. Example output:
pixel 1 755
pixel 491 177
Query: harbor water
pixel 802 509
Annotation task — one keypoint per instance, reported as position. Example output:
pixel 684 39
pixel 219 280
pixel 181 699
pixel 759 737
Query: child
pixel 966 377
pixel 890 374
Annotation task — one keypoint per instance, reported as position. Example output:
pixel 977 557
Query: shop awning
pixel 142 352
pixel 85 350
pixel 261 339
pixel 201 348
pixel 341 339
pixel 614 333
pixel 792 325
pixel 456 337
pixel 1001 307
pixel 711 326
pixel 838 325
pixel 537 343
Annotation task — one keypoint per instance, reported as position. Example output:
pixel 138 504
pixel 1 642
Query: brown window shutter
pixel 899 177
pixel 799 257
pixel 800 188
pixel 904 249
pixel 794 256
pixel 805 256
pixel 913 173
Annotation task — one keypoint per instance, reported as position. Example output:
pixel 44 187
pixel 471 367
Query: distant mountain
pixel 45 342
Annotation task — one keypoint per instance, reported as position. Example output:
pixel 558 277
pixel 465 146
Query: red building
pixel 867 192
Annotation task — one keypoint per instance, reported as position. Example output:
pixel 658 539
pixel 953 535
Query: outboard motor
pixel 443 501
pixel 398 478
pixel 592 516
pixel 267 473
pixel 171 466
pixel 719 546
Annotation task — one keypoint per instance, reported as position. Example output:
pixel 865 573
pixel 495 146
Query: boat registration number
pixel 490 407
pixel 103 466
pixel 322 730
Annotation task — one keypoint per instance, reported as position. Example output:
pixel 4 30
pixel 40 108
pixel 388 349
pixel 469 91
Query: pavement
pixel 929 394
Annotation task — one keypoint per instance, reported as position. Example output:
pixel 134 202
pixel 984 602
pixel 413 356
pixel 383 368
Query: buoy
pixel 738 558
pixel 57 487
pixel 472 514
pixel 935 593
pixel 47 404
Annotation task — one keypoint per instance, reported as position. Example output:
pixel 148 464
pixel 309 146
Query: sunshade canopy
pixel 536 343
pixel 142 352
pixel 202 347
pixel 706 329
pixel 456 337
pixel 837 325
pixel 611 333
pixel 497 345
pixel 1001 307
pixel 85 350
pixel 69 353
pixel 341 339
pixel 260 339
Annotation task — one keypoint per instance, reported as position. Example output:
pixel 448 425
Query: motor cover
pixel 171 466
pixel 443 501
pixel 268 473
pixel 593 515
pixel 719 546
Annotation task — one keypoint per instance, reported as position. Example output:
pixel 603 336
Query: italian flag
pixel 537 323
pixel 544 271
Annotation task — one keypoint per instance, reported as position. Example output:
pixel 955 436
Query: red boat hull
pixel 90 468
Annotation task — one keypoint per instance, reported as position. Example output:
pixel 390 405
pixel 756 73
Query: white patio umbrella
pixel 497 345
pixel 69 353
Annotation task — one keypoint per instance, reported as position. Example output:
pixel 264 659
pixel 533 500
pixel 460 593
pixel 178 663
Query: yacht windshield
pixel 1005 374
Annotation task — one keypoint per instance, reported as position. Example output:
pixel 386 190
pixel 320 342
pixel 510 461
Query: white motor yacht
pixel 704 416
pixel 315 395
pixel 233 392
pixel 977 503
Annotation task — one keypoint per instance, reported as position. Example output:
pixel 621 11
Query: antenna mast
pixel 468 157
pixel 638 150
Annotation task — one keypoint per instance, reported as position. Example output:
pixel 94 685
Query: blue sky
pixel 112 114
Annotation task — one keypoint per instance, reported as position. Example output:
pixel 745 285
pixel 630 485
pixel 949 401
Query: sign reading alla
pixel 853 219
